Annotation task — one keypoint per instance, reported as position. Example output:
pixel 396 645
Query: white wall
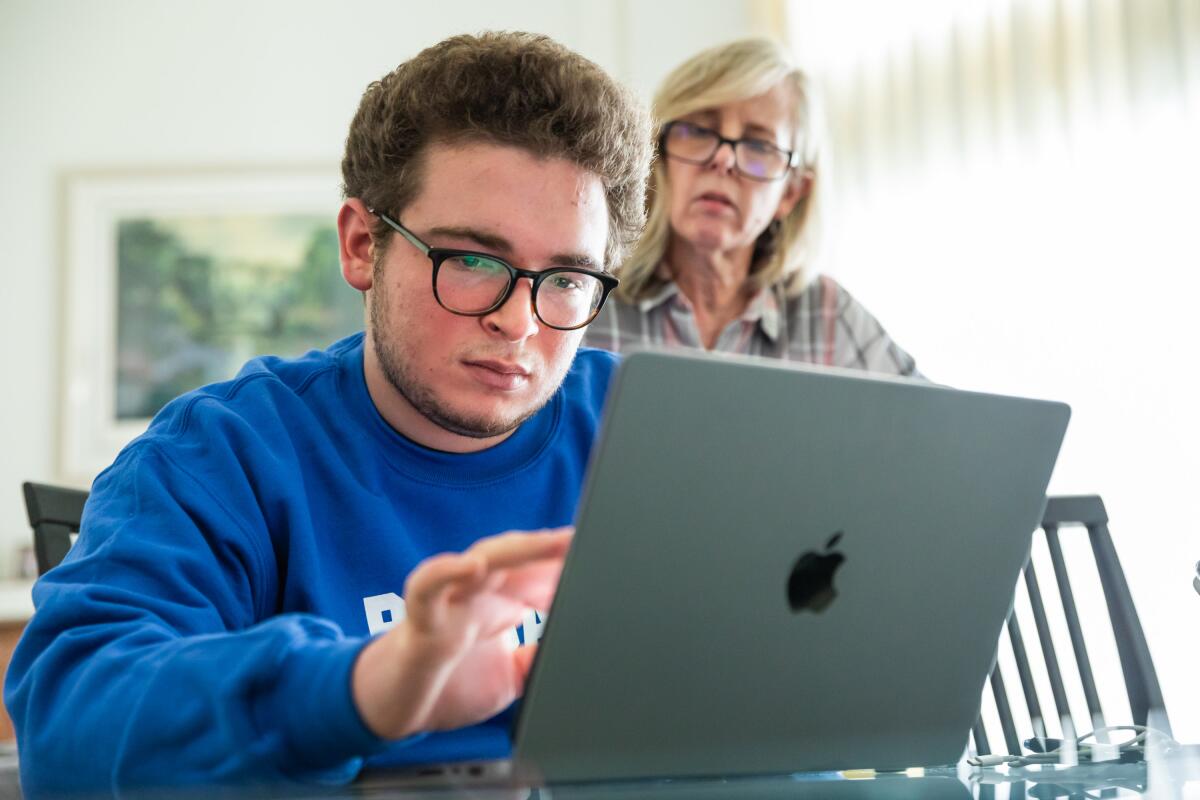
pixel 137 83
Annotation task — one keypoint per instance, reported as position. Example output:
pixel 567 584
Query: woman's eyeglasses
pixel 754 158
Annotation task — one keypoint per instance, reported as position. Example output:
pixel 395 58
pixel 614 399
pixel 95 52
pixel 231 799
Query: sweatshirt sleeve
pixel 153 658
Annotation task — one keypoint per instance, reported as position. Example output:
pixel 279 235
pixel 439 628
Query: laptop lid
pixel 692 633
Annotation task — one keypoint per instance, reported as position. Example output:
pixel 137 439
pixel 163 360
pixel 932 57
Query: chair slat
pixel 1071 613
pixel 1026 676
pixel 1141 680
pixel 980 736
pixel 1011 741
pixel 1058 689
pixel 51 542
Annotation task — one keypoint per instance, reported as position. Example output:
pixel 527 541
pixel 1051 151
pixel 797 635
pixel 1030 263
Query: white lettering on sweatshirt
pixel 385 610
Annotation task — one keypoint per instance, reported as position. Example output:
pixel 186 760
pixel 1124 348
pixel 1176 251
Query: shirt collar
pixel 762 309
pixel 665 292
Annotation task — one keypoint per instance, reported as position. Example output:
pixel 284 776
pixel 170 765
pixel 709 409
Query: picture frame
pixel 172 278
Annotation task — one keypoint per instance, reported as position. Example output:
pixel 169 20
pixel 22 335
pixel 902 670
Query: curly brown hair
pixel 507 88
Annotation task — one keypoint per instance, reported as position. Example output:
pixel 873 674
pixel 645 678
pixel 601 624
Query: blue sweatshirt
pixel 236 558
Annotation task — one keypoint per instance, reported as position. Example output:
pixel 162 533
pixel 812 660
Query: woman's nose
pixel 724 159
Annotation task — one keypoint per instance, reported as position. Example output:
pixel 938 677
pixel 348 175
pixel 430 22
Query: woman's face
pixel 714 208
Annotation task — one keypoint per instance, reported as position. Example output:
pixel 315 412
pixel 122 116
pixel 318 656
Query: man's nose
pixel 516 319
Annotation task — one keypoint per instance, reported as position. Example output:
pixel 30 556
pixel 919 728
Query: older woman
pixel 732 217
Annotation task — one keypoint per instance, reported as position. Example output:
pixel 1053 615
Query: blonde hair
pixel 723 74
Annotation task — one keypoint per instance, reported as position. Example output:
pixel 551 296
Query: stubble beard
pixel 420 396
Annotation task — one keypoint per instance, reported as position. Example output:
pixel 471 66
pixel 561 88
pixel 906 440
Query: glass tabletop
pixel 1175 775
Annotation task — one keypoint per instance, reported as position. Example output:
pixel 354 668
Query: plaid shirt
pixel 823 325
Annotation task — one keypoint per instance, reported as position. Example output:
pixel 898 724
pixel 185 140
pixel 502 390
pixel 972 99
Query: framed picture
pixel 173 279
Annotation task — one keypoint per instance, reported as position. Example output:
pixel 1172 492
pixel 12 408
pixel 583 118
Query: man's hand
pixel 447 663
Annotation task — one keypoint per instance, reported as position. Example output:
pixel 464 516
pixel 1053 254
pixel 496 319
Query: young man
pixel 214 620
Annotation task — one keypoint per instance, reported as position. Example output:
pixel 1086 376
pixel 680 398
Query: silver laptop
pixel 781 569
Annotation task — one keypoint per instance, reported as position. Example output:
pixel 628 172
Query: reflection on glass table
pixel 1168 771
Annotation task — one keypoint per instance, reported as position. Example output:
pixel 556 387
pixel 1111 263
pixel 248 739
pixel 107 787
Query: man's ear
pixel 355 245
pixel 799 186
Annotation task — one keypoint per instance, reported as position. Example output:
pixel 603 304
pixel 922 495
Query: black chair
pixel 54 513
pixel 1080 514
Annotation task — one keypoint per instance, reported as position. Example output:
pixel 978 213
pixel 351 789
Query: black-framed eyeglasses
pixel 475 284
pixel 756 159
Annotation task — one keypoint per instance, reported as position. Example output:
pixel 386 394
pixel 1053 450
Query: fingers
pixel 520 568
pixel 525 567
pixel 517 548
pixel 428 584
pixel 533 585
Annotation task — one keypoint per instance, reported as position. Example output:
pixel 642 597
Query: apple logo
pixel 810 586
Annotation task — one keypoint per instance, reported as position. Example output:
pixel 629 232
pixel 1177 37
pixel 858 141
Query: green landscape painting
pixel 198 296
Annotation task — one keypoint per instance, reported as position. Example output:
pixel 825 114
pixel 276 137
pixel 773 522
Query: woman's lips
pixel 712 201
pixel 498 374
